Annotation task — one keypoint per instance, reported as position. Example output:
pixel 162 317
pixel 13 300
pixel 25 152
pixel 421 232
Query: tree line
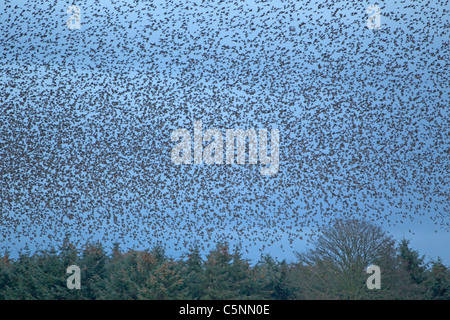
pixel 334 268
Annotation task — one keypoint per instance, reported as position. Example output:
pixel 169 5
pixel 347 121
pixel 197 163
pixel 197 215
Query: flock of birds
pixel 86 118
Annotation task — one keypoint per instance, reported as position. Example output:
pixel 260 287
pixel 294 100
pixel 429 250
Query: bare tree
pixel 335 267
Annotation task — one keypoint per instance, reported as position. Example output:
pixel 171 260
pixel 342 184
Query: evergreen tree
pixel 414 266
pixel 123 278
pixel 243 277
pixel 162 278
pixel 228 276
pixel 412 262
pixel 273 279
pixel 438 282
pixel 51 276
pixel 93 266
pixel 24 278
pixel 5 270
pixel 218 284
pixel 193 274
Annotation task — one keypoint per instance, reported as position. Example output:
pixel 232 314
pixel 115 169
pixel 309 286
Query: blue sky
pixel 87 116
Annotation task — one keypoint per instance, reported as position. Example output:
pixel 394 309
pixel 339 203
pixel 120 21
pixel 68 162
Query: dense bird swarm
pixel 86 118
